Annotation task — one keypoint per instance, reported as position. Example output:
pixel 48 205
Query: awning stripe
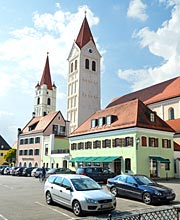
pixel 95 159
pixel 160 159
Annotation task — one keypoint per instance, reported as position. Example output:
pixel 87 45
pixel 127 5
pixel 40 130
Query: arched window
pixel 49 101
pixel 24 164
pixel 71 67
pixel 30 152
pixel 64 163
pixel 75 65
pixel 171 114
pixel 93 66
pixel 36 164
pixel 30 164
pixel 38 101
pixel 87 64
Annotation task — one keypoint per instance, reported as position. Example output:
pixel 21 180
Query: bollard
pixel 166 176
pixel 109 217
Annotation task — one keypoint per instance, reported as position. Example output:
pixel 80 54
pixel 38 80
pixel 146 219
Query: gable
pixel 159 92
pixel 3 144
pixel 126 115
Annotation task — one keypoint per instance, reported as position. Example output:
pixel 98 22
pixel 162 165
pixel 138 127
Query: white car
pixel 80 193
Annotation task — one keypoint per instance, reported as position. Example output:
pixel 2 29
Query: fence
pixel 158 214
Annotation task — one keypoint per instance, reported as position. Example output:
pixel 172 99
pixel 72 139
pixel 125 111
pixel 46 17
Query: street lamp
pixel 137 143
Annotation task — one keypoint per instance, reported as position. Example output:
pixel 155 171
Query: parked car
pixel 80 193
pixel 27 171
pixel 19 171
pixel 13 170
pixel 7 171
pixel 2 167
pixel 36 172
pixel 139 187
pixel 60 170
pixel 97 173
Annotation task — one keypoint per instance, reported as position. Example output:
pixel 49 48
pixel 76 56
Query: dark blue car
pixel 139 187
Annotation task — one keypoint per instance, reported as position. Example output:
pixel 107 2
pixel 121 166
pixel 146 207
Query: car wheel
pixel 147 199
pixel 77 208
pixel 113 190
pixel 49 200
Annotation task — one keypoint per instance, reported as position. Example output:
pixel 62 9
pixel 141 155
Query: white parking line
pixel 55 210
pixel 6 186
pixel 1 216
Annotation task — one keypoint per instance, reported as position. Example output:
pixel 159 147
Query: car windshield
pixel 83 184
pixel 143 180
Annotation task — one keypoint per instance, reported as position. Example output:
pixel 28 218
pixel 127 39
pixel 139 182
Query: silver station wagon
pixel 80 193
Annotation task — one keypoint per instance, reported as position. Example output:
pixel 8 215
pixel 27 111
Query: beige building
pixel 46 132
pixel 83 89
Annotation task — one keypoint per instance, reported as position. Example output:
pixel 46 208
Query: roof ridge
pixel 46 76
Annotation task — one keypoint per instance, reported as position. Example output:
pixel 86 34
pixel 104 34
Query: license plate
pixel 169 197
pixel 105 206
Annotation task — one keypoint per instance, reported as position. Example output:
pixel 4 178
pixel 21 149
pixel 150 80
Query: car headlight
pixel 158 193
pixel 91 201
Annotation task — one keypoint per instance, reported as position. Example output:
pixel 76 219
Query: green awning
pixel 106 159
pixel 160 159
pixel 77 159
pixel 111 158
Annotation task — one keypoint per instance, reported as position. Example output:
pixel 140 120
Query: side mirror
pixel 135 185
pixel 69 188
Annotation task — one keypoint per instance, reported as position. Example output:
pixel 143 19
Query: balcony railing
pixel 60 151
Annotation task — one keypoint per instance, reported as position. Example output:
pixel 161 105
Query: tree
pixel 10 156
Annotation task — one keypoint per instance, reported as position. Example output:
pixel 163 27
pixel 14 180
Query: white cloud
pixel 27 48
pixel 137 9
pixel 165 43
pixel 5 114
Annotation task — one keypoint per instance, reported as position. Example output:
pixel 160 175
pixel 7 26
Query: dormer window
pixel 100 121
pixel 93 123
pixel 108 120
pixel 152 117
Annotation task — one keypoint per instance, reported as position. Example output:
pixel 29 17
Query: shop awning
pixel 106 159
pixel 160 159
pixel 77 159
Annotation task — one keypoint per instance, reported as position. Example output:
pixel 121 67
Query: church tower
pixel 83 89
pixel 45 93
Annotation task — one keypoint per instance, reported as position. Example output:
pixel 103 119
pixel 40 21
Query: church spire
pixel 84 35
pixel 46 76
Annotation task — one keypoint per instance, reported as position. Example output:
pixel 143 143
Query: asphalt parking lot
pixel 22 199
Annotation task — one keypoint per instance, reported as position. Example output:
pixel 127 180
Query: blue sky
pixel 139 41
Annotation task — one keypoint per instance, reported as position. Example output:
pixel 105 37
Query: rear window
pixel 51 179
pixel 80 171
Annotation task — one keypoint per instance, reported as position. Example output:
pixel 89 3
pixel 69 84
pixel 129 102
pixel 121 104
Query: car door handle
pixel 51 187
pixel 60 190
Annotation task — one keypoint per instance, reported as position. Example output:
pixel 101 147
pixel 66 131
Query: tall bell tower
pixel 45 93
pixel 83 89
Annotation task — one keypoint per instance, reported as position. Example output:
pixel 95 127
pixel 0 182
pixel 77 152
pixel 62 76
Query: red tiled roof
pixel 176 146
pixel 46 76
pixel 41 121
pixel 130 114
pixel 84 35
pixel 175 124
pixel 162 91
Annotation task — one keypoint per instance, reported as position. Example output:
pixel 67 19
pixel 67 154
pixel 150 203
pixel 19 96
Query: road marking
pixel 1 216
pixel 6 186
pixel 53 209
